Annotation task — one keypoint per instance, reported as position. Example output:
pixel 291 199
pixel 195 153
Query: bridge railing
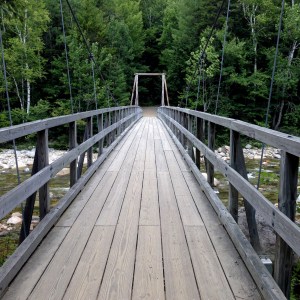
pixel 110 125
pixel 193 130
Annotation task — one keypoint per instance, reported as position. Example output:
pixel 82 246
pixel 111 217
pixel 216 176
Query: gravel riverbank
pixel 25 157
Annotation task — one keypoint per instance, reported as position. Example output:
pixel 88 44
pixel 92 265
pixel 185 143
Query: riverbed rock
pixel 248 146
pixel 216 181
pixel 17 214
pixel 14 220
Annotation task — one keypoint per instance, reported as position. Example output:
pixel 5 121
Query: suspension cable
pixel 271 89
pixel 204 49
pixel 199 83
pixel 66 53
pixel 11 122
pixel 222 60
pixel 94 82
pixel 88 48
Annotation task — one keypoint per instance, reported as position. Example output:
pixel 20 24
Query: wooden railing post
pixel 43 161
pixel 287 204
pixel 89 124
pixel 235 161
pixel 119 117
pixel 238 163
pixel 108 124
pixel 72 145
pixel 211 144
pixel 100 128
pixel 190 129
pixel 199 136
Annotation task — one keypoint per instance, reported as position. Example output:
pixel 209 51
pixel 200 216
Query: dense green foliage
pixel 128 36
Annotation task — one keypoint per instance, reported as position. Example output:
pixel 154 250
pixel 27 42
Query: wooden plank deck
pixel 141 229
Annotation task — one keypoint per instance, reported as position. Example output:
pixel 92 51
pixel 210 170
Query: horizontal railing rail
pixel 111 125
pixel 187 127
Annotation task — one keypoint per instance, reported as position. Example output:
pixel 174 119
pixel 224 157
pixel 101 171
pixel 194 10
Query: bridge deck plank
pixel 141 228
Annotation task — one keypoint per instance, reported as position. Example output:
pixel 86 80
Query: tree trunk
pixel 290 60
pixel 28 96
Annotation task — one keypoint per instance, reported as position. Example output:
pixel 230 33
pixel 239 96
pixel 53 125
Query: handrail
pixel 112 125
pixel 17 131
pixel 44 173
pixel 187 129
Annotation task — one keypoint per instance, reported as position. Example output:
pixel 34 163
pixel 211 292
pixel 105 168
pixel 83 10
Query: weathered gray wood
pixel 211 145
pixel 17 131
pixel 43 161
pixel 118 276
pixel 286 142
pixel 238 163
pixel 286 204
pixel 288 230
pixel 111 210
pixel 180 281
pixel 189 144
pixel 207 267
pixel 25 281
pixel 29 205
pixel 199 135
pixel 148 275
pixel 89 124
pixel 82 155
pixel 72 145
pixel 14 197
pixel 233 201
pixel 239 278
pixel 15 262
pixel 57 276
pixel 260 274
pixel 91 265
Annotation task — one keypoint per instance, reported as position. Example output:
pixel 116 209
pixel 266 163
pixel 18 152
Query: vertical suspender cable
pixel 94 82
pixel 88 49
pixel 199 83
pixel 66 53
pixel 10 118
pixel 204 49
pixel 271 89
pixel 222 60
pixel 8 105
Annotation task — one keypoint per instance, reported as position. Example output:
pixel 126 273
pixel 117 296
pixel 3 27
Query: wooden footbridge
pixel 142 222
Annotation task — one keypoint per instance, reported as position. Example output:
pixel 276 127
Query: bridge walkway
pixel 141 228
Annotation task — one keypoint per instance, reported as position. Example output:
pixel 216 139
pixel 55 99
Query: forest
pixel 129 36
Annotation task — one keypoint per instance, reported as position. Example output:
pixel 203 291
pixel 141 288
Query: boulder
pixel 17 214
pixel 216 181
pixel 14 220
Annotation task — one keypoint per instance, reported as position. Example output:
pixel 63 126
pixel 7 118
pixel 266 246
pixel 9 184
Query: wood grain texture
pixel 15 262
pixel 87 277
pixel 206 265
pixel 150 154
pixel 270 137
pixel 180 282
pixel 288 230
pixel 10 133
pixel 24 283
pixel 118 277
pixel 21 192
pixel 263 279
pixel 71 214
pixel 148 275
pixel 149 214
pixel 57 276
